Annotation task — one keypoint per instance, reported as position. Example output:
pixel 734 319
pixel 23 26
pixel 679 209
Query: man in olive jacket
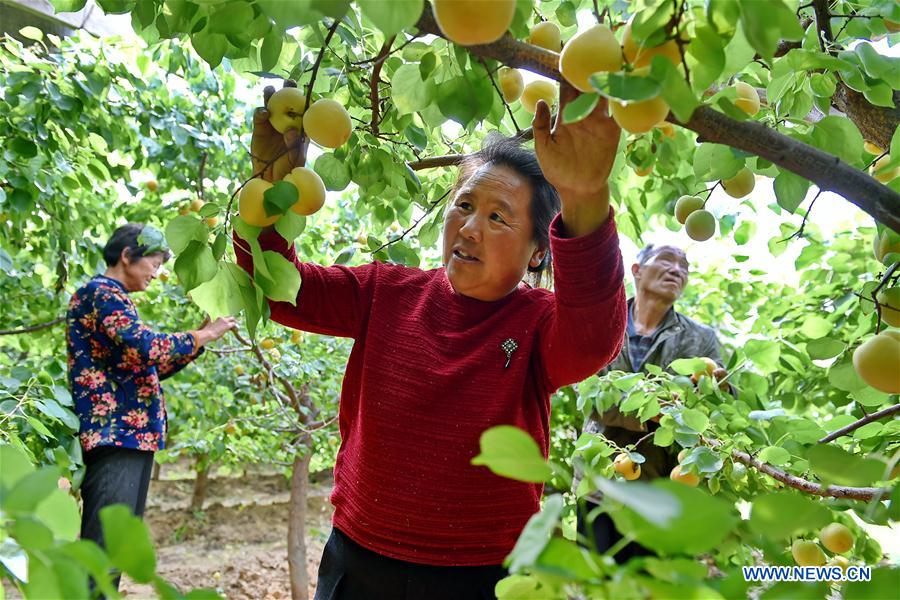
pixel 656 334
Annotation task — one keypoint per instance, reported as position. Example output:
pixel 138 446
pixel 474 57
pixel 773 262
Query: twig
pixel 379 58
pixel 227 350
pixel 823 24
pixel 414 225
pixel 500 93
pixel 857 424
pixel 881 284
pixel 375 80
pixel 202 170
pixel 450 160
pixel 799 232
pixel 315 67
pixel 32 327
pixel 643 439
pixel 865 494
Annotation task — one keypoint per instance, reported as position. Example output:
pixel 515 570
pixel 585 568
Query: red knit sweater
pixel 426 377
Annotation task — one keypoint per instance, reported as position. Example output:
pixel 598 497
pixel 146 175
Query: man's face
pixel 663 275
pixel 488 234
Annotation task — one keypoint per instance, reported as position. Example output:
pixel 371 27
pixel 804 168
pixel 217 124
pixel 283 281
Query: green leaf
pixel 723 15
pixel 279 198
pixel 195 265
pixel 566 14
pixel 764 354
pixel 333 172
pixel 393 16
pixel 128 543
pixel 767 22
pixel 652 504
pixel 843 376
pixel 884 584
pixel 270 50
pixel 580 108
pixel 835 465
pixel 230 19
pixel 782 515
pixel 838 136
pixel 408 91
pixel 536 535
pixel 790 190
pixel 688 366
pixel 744 232
pixel 31 33
pixel 290 225
pixel 30 490
pixel 707 57
pixel 622 86
pixel 824 348
pixel 210 46
pixel 716 161
pixel 675 90
pixel 284 283
pixel 60 513
pixel 221 295
pixel 64 6
pixel 702 521
pixel 15 466
pixel 796 590
pixel 183 230
pixel 520 587
pixel 695 419
pixel 815 327
pixel 510 452
pixel 775 455
pixel 878 66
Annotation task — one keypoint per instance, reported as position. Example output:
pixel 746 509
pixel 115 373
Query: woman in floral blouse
pixel 115 366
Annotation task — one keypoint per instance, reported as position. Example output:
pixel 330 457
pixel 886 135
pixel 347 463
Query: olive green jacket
pixel 677 337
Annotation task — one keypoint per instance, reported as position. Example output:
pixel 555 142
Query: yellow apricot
pixel 836 538
pixel 889 300
pixel 592 50
pixel 286 108
pixel 667 129
pixel 546 35
pixel 626 467
pixel 642 56
pixel 872 148
pixel 876 361
pixel 684 477
pixel 250 204
pixel 327 123
pixel 747 98
pixel 641 116
pixel 685 206
pixel 807 554
pixel 700 225
pixel 538 90
pixel 741 184
pixel 311 190
pixel 470 22
pixel 511 84
pixel 884 176
pixel 644 171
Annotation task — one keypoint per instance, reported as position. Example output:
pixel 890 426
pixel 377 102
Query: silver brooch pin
pixel 509 346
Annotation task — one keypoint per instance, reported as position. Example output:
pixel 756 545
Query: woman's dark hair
pixel 500 150
pixel 129 237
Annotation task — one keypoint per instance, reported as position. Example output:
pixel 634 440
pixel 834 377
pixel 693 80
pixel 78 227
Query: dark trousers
pixel 601 533
pixel 350 572
pixel 113 476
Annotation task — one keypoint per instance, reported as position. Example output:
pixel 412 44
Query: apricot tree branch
pixel 375 80
pixel 32 327
pixel 825 170
pixel 890 410
pixel 406 231
pixel 500 93
pixel 450 160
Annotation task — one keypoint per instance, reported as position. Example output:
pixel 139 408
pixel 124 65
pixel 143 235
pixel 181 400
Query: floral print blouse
pixel 115 366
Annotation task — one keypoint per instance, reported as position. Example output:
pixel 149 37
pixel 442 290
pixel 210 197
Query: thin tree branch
pixel 825 170
pixel 500 93
pixel 375 80
pixel 405 232
pixel 450 160
pixel 890 410
pixel 32 327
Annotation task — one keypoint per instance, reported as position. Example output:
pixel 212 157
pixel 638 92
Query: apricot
pixel 626 467
pixel 892 26
pixel 267 344
pixel 151 185
pixel 667 129
pixel 685 477
pixel 741 184
pixel 286 107
pixel 644 171
pixel 872 148
pixel 807 554
pixel 876 360
pixel 538 90
pixel 641 116
pixel 836 538
pixel 470 22
pixel 889 300
pixel 700 225
pixel 747 98
pixel 883 246
pixel 296 337
pixel 196 204
pixel 592 50
pixel 311 189
pixel 641 55
pixel 211 221
pixel 511 84
pixel 546 35
pixel 884 176
pixel 250 204
pixel 686 205
pixel 327 123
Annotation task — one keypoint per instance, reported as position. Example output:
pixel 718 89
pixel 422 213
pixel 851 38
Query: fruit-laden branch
pixel 32 327
pixel 826 171
pixel 857 424
pixel 865 494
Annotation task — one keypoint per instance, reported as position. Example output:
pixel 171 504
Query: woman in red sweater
pixel 442 355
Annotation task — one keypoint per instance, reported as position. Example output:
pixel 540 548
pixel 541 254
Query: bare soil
pixel 238 544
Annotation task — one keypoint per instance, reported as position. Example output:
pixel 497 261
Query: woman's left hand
pixel 577 159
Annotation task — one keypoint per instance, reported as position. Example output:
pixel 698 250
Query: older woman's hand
pixel 577 159
pixel 269 149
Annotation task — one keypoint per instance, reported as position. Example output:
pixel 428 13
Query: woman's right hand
pixel 269 149
pixel 210 332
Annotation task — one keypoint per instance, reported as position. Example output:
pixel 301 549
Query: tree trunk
pixel 297 525
pixel 201 482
